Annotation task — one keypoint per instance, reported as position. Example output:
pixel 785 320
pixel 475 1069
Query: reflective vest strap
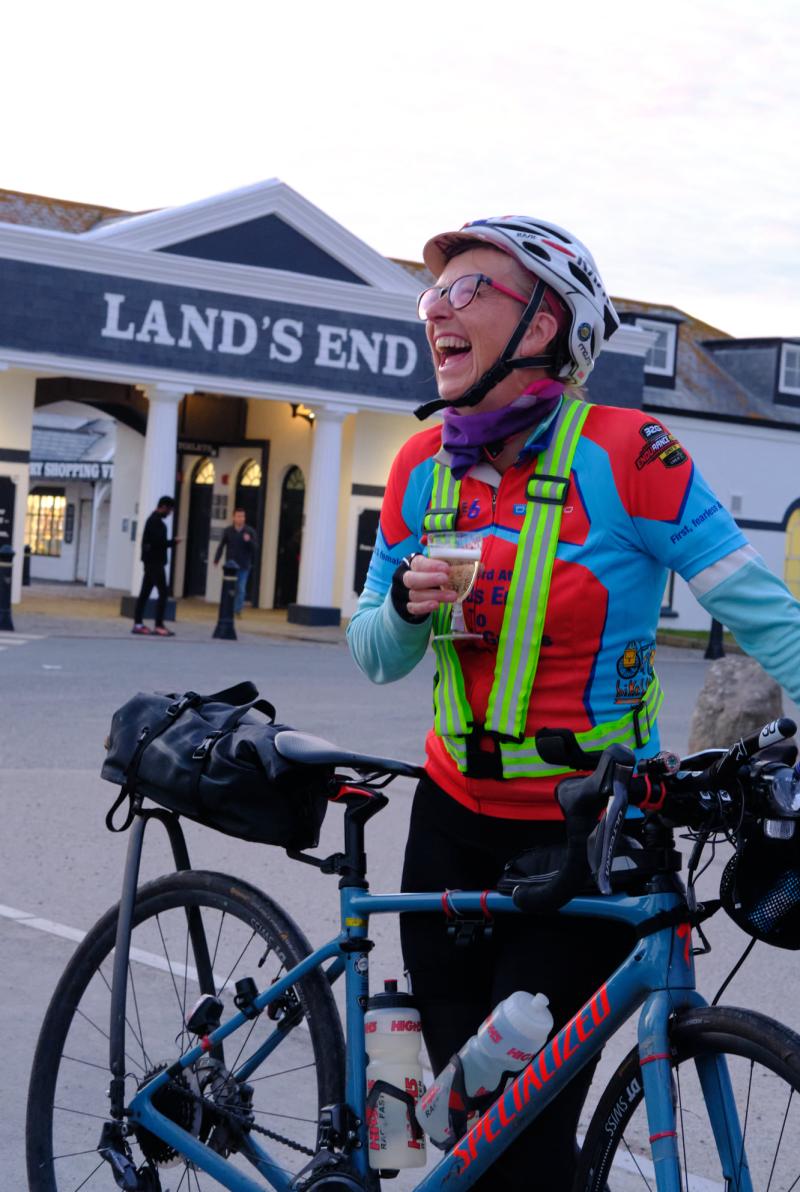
pixel 443 509
pixel 521 759
pixel 452 713
pixel 523 620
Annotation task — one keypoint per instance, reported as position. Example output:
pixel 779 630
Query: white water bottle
pixel 393 1039
pixel 509 1038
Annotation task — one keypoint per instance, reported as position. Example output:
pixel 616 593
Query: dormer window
pixel 789 381
pixel 660 359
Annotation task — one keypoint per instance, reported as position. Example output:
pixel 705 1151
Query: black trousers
pixel 154 577
pixel 450 847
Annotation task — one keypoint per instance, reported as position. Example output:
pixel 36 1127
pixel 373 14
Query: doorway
pixel 290 538
pixel 248 497
pixel 198 533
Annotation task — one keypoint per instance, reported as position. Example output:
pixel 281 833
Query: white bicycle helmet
pixel 566 265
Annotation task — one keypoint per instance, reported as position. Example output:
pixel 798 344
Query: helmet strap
pixel 502 366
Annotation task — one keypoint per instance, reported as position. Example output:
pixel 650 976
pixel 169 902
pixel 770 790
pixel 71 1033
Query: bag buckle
pixel 186 701
pixel 642 710
pixel 204 748
pixel 539 479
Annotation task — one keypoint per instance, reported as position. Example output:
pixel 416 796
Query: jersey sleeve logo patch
pixel 661 445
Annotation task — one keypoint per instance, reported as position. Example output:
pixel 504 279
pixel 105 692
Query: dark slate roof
pixel 703 387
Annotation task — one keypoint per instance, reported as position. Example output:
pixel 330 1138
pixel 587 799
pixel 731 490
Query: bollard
pixel 715 649
pixel 225 626
pixel 26 567
pixel 6 564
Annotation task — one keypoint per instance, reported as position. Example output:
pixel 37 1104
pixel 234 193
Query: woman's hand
pixel 429 585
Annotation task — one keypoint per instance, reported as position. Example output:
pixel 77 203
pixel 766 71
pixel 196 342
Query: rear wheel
pixel 246 935
pixel 763 1060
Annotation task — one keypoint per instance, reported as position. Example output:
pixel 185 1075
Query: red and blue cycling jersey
pixel 635 509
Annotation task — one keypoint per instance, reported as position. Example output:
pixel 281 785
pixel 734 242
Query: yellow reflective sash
pixel 523 621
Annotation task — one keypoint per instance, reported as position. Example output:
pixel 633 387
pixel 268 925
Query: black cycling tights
pixel 456 987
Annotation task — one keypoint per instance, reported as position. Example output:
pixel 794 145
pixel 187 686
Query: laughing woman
pixel 575 506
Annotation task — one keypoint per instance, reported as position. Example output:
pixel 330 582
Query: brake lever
pixel 603 850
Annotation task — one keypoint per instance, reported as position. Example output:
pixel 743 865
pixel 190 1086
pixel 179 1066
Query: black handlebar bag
pixel 212 758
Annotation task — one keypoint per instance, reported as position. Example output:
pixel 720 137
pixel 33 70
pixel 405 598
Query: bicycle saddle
pixel 315 751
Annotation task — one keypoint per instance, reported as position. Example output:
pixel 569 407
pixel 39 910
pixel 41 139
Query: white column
pixel 99 494
pixel 315 604
pixel 159 462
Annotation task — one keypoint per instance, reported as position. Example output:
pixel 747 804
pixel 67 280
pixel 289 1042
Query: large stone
pixel 737 698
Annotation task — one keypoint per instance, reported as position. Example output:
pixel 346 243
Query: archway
pixel 791 571
pixel 248 496
pixel 290 537
pixel 198 533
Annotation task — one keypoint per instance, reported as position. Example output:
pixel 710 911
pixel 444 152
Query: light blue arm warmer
pixel 384 645
pixel 759 610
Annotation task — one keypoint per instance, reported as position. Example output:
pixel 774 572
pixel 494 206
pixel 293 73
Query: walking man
pixel 155 545
pixel 240 544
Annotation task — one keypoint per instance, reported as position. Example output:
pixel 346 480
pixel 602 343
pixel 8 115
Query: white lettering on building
pixel 154 326
pixel 112 329
pixel 286 346
pixel 331 352
pixel 238 333
pixel 201 325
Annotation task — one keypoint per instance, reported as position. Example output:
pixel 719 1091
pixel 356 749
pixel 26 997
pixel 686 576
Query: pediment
pixel 265 226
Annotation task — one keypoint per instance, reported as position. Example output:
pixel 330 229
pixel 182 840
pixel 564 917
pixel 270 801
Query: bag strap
pixel 240 693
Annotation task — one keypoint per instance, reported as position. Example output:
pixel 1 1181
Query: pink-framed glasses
pixel 461 292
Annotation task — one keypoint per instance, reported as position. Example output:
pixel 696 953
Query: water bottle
pixel 393 1039
pixel 508 1040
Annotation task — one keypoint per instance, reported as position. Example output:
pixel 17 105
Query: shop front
pixel 257 355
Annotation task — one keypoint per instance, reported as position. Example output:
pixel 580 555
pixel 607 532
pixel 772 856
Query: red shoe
pixel 162 631
pixel 141 630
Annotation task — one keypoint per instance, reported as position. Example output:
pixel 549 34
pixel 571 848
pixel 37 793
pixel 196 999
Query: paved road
pixel 58 863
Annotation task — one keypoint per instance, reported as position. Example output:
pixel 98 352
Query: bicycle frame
pixel 658 975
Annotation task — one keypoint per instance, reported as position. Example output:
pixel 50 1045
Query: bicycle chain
pixel 237 1120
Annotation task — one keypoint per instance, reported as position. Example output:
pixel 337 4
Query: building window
pixel 204 473
pixel 660 359
pixel 790 369
pixel 250 475
pixel 791 570
pixel 44 521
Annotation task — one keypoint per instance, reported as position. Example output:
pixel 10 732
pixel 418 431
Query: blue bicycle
pixel 193 1041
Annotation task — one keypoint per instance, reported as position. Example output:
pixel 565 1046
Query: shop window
pixel 44 521
pixel 791 572
pixel 790 369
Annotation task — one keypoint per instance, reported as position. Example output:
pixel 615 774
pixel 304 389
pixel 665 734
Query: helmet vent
pixel 549 230
pixel 611 323
pixel 581 276
pixel 536 249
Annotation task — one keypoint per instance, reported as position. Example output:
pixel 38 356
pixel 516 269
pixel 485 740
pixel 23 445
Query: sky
pixel 665 136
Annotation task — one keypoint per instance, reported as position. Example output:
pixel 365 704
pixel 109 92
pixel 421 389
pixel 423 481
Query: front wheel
pixel 245 934
pixel 763 1060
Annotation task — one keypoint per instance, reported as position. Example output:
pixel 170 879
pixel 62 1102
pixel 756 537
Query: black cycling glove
pixel 400 594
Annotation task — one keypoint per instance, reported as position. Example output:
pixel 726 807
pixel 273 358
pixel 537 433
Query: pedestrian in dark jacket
pixel 155 545
pixel 240 544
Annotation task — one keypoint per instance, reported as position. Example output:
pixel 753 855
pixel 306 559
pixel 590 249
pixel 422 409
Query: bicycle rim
pixel 763 1060
pixel 247 935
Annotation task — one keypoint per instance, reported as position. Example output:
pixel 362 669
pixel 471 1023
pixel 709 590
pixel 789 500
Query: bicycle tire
pixel 615 1155
pixel 155 983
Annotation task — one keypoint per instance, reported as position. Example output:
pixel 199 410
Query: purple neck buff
pixel 465 436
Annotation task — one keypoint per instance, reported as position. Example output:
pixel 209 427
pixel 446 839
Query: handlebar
pixel 687 793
